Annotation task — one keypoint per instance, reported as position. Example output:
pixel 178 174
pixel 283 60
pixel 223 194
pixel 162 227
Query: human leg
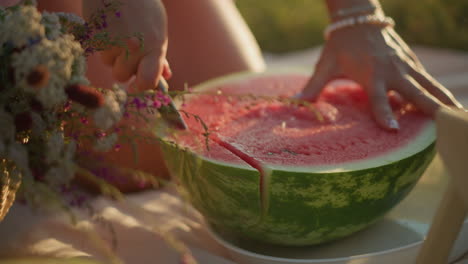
pixel 208 38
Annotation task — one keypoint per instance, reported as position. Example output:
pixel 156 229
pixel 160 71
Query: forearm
pixel 68 6
pixel 354 7
pixel 144 17
pixel 6 3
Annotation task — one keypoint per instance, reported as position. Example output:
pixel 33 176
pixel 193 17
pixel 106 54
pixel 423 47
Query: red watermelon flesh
pixel 277 133
pixel 207 148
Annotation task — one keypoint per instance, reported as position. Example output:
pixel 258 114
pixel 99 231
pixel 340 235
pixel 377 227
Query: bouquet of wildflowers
pixel 49 112
pixel 46 102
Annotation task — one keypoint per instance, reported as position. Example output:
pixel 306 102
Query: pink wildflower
pixel 157 104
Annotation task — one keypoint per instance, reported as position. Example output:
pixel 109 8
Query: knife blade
pixel 169 112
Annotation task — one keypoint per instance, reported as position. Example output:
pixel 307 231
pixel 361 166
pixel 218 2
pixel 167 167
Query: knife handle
pixel 169 112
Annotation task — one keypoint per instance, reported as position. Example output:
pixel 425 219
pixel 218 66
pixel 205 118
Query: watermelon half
pixel 290 174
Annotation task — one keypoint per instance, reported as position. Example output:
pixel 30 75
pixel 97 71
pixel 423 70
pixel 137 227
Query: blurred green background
pixel 286 25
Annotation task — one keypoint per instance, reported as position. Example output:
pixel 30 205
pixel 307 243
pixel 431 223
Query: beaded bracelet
pixel 354 11
pixel 353 21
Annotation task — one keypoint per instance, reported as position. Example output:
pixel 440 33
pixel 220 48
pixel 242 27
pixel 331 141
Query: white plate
pixel 395 239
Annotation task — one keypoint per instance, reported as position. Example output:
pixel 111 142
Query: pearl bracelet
pixel 353 21
pixel 368 8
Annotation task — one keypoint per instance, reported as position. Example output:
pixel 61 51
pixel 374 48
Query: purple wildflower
pixel 89 50
pixel 86 36
pixel 67 106
pixel 166 100
pixel 107 174
pixel 63 188
pixel 138 103
pixel 100 134
pixel 80 199
pixel 38 174
pixel 34 40
pixel 75 136
pixel 142 184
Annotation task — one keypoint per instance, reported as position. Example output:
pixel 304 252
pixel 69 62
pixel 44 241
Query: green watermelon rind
pixel 224 193
pixel 228 196
pixel 327 203
pixel 321 207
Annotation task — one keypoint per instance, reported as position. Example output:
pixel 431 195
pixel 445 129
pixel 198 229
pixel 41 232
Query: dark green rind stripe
pixel 228 197
pixel 307 208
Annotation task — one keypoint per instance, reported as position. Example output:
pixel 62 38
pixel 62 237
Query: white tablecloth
pixel 131 230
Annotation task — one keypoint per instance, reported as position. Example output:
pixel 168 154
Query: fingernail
pixel 167 72
pixel 393 124
pixel 297 96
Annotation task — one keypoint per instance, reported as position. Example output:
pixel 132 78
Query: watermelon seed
pixel 289 151
pixel 343 147
pixel 283 125
pixel 363 141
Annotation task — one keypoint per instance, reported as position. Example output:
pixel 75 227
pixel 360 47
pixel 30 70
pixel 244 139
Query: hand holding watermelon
pixel 363 46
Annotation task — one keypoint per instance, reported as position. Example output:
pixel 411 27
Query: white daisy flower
pixel 111 112
pixel 7 127
pixel 58 57
pixel 120 93
pixel 21 27
pixel 38 124
pixel 55 145
pixel 71 18
pixel 18 154
pixel 60 174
